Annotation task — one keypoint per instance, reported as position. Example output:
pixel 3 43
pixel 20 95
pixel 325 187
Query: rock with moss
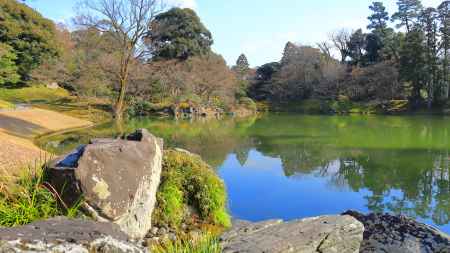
pixel 117 179
pixel 190 192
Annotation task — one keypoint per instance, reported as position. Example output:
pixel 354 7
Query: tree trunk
pixel 120 103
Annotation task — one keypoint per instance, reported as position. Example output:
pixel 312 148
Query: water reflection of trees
pixel 411 182
pixel 401 162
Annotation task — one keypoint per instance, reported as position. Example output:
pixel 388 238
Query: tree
pixel 341 39
pixel 428 19
pixel 444 17
pixel 290 52
pixel 356 46
pixel 242 65
pixel 379 18
pixel 408 11
pixel 373 48
pixel 8 68
pixel 206 77
pixel 129 23
pixel 30 35
pixel 325 48
pixel 242 70
pixel 179 33
pixel 412 63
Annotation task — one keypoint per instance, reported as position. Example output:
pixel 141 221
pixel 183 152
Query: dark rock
pixel 118 179
pixel 326 234
pixel 399 234
pixel 65 235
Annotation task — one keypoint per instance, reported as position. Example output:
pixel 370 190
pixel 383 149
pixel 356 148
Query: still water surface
pixel 293 166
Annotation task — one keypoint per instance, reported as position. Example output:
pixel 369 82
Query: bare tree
pixel 325 48
pixel 128 21
pixel 341 39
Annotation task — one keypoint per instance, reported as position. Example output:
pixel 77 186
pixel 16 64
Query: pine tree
pixel 242 65
pixel 444 29
pixel 290 52
pixel 428 19
pixel 408 12
pixel 379 18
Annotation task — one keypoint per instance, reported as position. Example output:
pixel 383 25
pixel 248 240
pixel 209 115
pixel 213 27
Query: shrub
pixel 188 181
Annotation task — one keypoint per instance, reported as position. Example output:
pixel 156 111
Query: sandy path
pixel 18 128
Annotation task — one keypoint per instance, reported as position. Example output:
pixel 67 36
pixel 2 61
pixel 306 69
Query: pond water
pixel 293 166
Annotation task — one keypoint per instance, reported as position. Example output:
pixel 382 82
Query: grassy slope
pixel 34 94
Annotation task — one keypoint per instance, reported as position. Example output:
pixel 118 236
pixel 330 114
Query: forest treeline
pixel 142 56
pixel 402 56
pixel 138 54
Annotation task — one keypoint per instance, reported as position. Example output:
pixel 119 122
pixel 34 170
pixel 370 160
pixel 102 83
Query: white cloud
pixel 184 3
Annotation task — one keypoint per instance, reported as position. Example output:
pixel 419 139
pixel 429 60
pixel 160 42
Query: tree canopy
pixel 8 68
pixel 31 36
pixel 179 33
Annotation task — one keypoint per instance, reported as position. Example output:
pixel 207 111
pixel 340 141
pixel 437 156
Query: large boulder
pixel 399 234
pixel 117 178
pixel 325 234
pixel 62 235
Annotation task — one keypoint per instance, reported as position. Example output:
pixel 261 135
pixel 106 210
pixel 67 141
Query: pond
pixel 293 166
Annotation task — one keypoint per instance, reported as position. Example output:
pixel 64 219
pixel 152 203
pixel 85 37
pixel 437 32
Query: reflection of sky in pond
pixel 259 190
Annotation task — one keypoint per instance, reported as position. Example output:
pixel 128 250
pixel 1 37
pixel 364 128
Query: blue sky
pixel 258 28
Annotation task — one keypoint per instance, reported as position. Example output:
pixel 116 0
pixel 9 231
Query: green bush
pixel 188 181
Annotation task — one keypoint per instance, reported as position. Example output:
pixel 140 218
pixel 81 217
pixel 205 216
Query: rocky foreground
pixel 118 179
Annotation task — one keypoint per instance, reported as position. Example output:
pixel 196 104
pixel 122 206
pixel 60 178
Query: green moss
pixel 188 181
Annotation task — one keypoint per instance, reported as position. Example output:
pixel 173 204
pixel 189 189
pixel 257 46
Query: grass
pixel 33 94
pixel 206 244
pixel 6 105
pixel 25 199
pixel 88 109
pixel 188 181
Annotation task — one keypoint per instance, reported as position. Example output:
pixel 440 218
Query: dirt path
pixel 18 128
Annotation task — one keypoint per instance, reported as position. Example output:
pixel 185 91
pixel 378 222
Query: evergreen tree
pixel 412 63
pixel 356 46
pixel 179 33
pixel 32 37
pixel 444 29
pixel 408 12
pixel 428 19
pixel 379 18
pixel 8 68
pixel 242 65
pixel 373 48
pixel 289 53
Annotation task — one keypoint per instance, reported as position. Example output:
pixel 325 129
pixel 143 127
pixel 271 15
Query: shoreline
pixel 20 128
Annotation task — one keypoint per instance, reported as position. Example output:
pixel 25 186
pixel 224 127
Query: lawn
pixel 33 94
